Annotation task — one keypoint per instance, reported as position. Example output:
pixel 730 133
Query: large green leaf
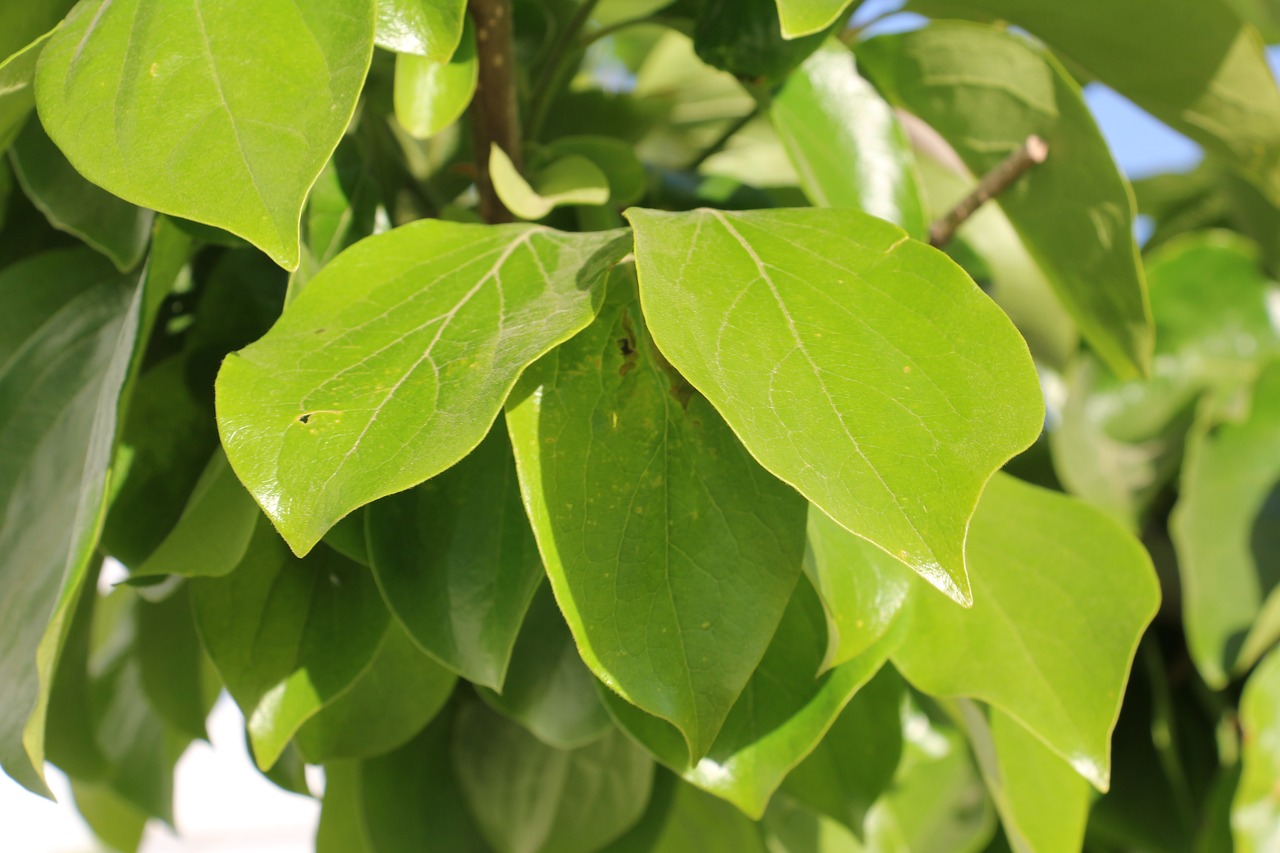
pixel 986 90
pixel 392 363
pixel 1043 803
pixel 860 366
pixel 863 589
pixel 858 757
pixel 549 690
pixel 1062 595
pixel 845 142
pixel 114 227
pixel 671 552
pixel 457 563
pixel 68 332
pixel 393 699
pixel 1255 812
pixel 782 714
pixel 1225 530
pixel 1192 64
pixel 429 28
pixel 410 800
pixel 287 635
pixel 528 797
pixel 802 17
pixel 265 93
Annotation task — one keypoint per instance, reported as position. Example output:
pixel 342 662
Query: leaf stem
pixel 1029 154
pixel 718 144
pixel 557 65
pixel 494 116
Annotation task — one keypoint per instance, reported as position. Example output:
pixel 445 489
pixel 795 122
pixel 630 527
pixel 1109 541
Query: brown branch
pixel 494 117
pixel 1030 153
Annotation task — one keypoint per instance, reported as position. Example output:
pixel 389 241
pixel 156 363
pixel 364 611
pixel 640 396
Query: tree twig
pixel 552 77
pixel 1030 154
pixel 494 117
pixel 717 145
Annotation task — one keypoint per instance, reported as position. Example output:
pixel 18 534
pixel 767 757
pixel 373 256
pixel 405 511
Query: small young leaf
pixel 671 552
pixel 862 367
pixel 394 360
pixel 427 28
pixel 1062 595
pixel 803 17
pixel 431 94
pixel 1255 812
pixel 572 179
pixel 457 563
pixel 266 91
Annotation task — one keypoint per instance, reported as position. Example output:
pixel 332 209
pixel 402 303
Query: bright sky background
pixel 224 806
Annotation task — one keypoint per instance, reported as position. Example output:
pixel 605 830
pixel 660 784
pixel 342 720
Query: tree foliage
pixel 552 419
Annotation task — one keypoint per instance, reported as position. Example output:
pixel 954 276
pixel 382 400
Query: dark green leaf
pixel 802 17
pixel 457 563
pixel 671 552
pixel 288 635
pixel 392 363
pixel 177 677
pixel 860 366
pixel 17 90
pixel 266 91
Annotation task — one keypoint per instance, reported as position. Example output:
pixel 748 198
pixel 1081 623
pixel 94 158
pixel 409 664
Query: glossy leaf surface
pixel 986 90
pixel 68 326
pixel 457 563
pixel 1197 66
pixel 860 366
pixel 802 17
pixel 782 714
pixel 267 91
pixel 671 552
pixel 288 635
pixel 528 797
pixel 1225 527
pixel 845 142
pixel 1062 595
pixel 392 363
pixel 428 28
pixel 431 94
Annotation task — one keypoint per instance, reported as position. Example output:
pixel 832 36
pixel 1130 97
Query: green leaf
pixel 1043 803
pixel 670 551
pixel 177 677
pixel 392 363
pixel 288 635
pixel 266 92
pixel 345 205
pixel 789 828
pixel 429 28
pixel 341 827
pixel 701 823
pixel 1224 528
pixel 23 23
pixel 431 94
pixel 802 17
pixel 68 332
pixel 846 143
pixel 411 801
pixel 862 588
pixel 937 803
pixel 549 690
pixel 528 797
pixel 114 227
pixel 1255 812
pixel 392 700
pixel 986 90
pixel 781 716
pixel 615 158
pixel 1062 595
pixel 568 180
pixel 114 820
pixel 745 38
pixel 457 563
pixel 862 367
pixel 213 532
pixel 17 93
pixel 858 757
pixel 1195 66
